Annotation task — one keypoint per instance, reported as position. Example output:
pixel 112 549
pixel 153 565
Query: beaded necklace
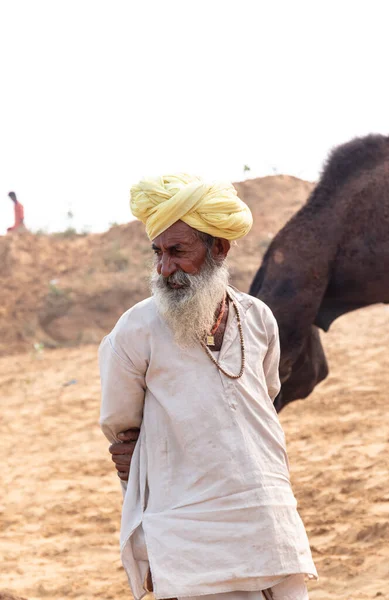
pixel 242 348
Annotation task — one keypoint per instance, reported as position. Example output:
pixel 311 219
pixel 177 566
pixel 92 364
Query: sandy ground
pixel 60 499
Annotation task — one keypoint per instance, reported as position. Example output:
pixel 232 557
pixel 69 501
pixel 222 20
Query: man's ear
pixel 220 249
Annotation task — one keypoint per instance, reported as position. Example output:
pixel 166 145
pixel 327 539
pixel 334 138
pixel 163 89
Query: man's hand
pixel 122 452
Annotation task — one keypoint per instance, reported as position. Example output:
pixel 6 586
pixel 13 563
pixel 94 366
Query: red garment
pixel 19 216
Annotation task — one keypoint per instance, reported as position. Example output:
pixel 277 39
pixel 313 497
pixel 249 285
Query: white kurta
pixel 209 480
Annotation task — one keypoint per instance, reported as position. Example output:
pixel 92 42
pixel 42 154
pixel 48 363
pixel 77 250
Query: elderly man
pixel 208 509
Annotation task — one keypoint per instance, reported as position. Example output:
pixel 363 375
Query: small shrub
pixel 69 232
pixel 55 290
pixel 85 231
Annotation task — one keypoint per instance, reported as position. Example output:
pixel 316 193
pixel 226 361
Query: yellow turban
pixel 211 208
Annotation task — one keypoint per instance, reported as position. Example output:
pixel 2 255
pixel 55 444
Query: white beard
pixel 190 310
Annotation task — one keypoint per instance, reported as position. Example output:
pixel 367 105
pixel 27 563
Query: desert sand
pixel 60 501
pixel 60 497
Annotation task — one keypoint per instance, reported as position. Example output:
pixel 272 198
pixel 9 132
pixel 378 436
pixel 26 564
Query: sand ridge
pixel 71 289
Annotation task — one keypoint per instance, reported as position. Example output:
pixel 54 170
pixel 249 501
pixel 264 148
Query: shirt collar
pixel 243 300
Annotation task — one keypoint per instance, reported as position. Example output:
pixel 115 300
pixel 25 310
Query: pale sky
pixel 97 93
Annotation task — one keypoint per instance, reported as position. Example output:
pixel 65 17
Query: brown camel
pixel 332 257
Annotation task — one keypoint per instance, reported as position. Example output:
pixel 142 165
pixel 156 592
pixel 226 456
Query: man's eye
pixel 157 251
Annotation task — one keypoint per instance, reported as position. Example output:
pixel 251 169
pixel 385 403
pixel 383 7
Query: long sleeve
pixel 272 358
pixel 122 389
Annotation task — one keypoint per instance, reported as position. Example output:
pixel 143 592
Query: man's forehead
pixel 178 233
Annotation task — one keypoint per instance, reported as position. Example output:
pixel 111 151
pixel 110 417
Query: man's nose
pixel 167 266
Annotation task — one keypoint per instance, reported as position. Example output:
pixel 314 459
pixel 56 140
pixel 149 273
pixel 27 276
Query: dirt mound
pixel 58 290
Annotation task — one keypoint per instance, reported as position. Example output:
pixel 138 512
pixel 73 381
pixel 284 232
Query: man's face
pixel 179 249
pixel 189 282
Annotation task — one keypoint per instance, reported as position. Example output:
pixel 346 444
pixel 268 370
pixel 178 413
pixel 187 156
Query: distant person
pixel 209 512
pixel 19 214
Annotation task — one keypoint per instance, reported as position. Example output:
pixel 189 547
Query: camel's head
pixel 302 372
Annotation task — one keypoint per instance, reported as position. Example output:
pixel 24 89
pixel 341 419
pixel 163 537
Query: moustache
pixel 177 280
